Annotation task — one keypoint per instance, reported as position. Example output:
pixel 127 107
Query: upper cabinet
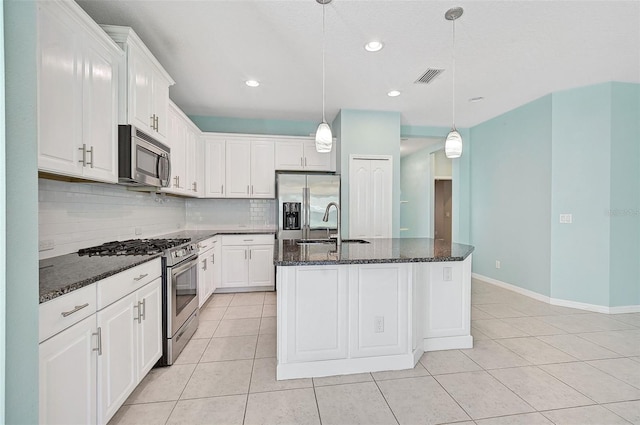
pixel 145 88
pixel 299 154
pixel 78 66
pixel 187 165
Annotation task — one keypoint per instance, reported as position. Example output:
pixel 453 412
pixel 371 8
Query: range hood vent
pixel 428 76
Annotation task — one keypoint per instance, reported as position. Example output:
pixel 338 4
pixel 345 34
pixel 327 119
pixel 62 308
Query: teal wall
pixel 581 186
pixel 371 133
pixel 510 197
pixel 624 219
pixel 21 391
pixel 255 126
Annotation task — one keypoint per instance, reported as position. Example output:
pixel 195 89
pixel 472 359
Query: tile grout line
pixel 253 364
pixel 385 400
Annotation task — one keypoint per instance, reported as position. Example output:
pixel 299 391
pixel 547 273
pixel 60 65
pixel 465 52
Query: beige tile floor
pixel 532 363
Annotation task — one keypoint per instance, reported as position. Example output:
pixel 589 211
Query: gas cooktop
pixel 133 247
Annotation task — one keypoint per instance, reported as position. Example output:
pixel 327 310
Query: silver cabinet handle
pixel 175 182
pixel 247 240
pixel 202 246
pixel 213 258
pixel 301 163
pixel 144 308
pixel 142 276
pixel 252 189
pixel 153 121
pixel 178 182
pixel 249 254
pixel 245 254
pixel 84 155
pixel 247 189
pixel 99 347
pixel 221 189
pixel 76 308
pixel 91 152
pixel 194 185
pixel 305 161
pixel 156 122
pixel 138 315
pixel 204 264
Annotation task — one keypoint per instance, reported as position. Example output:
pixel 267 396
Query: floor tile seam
pixel 511 351
pixel 277 390
pixel 559 380
pixel 246 400
pixel 315 396
pixel 547 344
pixel 542 412
pixel 613 376
pixel 618 356
pixel 581 392
pixel 599 345
pixel 181 392
pixel 348 383
pixel 454 399
pixel 385 400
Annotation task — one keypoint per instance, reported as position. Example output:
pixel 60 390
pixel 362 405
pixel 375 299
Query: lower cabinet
pixel 130 345
pixel 208 269
pixel 88 368
pixel 68 375
pixel 247 261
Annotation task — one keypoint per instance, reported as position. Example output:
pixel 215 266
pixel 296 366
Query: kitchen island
pixel 367 307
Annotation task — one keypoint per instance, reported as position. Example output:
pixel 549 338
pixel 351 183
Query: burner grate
pixel 133 247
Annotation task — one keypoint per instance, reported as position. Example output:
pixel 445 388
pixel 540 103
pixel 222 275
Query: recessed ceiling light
pixel 476 99
pixel 252 83
pixel 374 46
pixel 393 93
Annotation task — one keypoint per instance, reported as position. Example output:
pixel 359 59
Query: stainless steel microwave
pixel 142 160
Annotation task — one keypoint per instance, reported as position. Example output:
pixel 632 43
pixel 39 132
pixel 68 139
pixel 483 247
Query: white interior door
pixel 370 197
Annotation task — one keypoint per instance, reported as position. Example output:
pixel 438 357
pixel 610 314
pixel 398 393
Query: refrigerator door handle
pixel 307 215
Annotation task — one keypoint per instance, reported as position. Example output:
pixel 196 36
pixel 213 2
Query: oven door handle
pixel 183 266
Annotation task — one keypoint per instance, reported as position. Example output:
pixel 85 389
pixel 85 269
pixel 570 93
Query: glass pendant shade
pixel 453 144
pixel 324 138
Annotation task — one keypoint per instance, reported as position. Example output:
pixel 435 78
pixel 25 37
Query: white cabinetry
pixel 68 372
pixel 294 154
pixel 145 89
pixel 78 68
pixel 187 172
pixel 247 262
pixel 370 197
pixel 91 361
pixel 250 171
pixel 215 166
pixel 207 269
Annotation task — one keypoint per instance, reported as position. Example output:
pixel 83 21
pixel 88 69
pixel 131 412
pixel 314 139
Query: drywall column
pixel 21 392
pixel 581 186
pixel 368 133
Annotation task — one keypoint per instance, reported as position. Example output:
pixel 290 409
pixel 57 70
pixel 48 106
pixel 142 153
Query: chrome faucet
pixel 326 218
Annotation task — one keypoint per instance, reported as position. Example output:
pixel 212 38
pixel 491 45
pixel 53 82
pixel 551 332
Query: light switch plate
pixel 566 218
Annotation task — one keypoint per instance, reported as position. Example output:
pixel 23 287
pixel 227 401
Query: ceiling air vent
pixel 428 76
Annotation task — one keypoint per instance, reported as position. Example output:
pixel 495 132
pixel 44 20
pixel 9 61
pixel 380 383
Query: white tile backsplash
pixel 79 215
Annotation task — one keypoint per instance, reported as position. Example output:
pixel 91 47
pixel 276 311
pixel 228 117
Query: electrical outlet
pixel 566 218
pixel 138 230
pixel 447 274
pixel 497 264
pixel 378 324
pixel 46 245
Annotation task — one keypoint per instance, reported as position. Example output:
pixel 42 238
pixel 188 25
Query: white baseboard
pixel 557 301
pixel 448 343
pixel 511 287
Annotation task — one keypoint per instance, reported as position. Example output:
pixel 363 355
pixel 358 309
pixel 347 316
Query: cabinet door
pixel 160 105
pixel 150 327
pixel 203 265
pixel 261 269
pixel 59 92
pixel 67 369
pixel 215 168
pixel 212 279
pixel 140 90
pixel 100 112
pixel 359 198
pixel 177 143
pixel 238 176
pixel 193 180
pixel 289 155
pixel 263 173
pixel 217 266
pixel 117 364
pixel 235 270
pixel 316 161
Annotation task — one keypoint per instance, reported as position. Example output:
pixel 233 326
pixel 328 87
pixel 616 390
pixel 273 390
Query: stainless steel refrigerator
pixel 302 201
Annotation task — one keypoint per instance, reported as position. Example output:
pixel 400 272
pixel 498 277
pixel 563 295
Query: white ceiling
pixel 509 52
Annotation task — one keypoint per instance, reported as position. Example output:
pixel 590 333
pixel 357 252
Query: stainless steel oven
pixel 181 295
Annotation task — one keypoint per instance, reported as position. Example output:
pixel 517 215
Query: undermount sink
pixel 326 241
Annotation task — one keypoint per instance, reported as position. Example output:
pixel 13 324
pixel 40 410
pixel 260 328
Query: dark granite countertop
pixel 66 273
pixel 400 250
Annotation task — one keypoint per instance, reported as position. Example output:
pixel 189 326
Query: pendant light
pixel 453 143
pixel 324 138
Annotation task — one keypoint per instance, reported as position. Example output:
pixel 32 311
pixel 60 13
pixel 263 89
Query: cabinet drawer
pixel 66 310
pixel 250 239
pixel 207 244
pixel 117 286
